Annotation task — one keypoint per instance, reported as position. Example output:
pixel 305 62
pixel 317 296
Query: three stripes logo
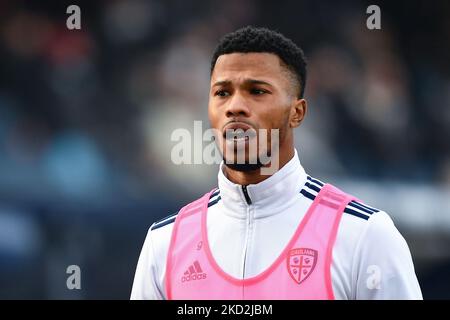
pixel 194 272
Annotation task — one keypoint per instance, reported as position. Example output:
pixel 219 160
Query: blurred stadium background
pixel 86 118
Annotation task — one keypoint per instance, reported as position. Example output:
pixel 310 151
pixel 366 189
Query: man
pixel 279 236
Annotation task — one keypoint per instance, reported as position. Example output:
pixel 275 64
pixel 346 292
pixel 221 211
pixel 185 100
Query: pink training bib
pixel 302 270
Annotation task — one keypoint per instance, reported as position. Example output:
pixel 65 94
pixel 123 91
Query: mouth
pixel 238 132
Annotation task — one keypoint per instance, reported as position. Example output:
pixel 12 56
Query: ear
pixel 298 112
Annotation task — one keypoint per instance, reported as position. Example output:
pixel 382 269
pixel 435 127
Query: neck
pixel 254 176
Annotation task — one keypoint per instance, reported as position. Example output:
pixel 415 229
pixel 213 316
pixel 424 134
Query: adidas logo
pixel 194 272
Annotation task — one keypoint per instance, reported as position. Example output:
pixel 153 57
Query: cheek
pixel 212 115
pixel 278 115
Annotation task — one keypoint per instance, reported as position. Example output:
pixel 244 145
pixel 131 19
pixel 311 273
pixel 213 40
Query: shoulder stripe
pixel 166 218
pixel 215 193
pixel 318 182
pixel 169 219
pixel 164 222
pixel 313 186
pixel 366 206
pixel 359 206
pixel 356 213
pixel 307 194
pixel 211 203
pixel 214 198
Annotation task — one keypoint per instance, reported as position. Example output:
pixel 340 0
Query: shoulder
pixel 355 209
pixel 366 236
pixel 371 259
pixel 160 232
pixel 165 224
pixel 360 221
pixel 365 232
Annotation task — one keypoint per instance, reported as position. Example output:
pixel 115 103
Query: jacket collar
pixel 268 197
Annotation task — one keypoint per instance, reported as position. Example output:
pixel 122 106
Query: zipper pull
pixel 247 197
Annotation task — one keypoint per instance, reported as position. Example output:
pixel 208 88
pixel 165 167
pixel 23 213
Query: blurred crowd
pixel 86 115
pixel 92 110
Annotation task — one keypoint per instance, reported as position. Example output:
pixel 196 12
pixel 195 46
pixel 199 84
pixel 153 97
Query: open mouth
pixel 236 135
pixel 237 132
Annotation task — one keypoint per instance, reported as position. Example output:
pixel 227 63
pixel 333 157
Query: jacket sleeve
pixel 383 267
pixel 145 284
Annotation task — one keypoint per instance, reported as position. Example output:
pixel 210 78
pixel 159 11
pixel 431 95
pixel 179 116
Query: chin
pixel 247 165
pixel 244 167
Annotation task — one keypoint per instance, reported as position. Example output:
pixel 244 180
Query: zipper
pixel 248 237
pixel 248 233
pixel 247 197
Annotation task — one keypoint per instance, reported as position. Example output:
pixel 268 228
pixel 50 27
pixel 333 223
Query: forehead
pixel 249 65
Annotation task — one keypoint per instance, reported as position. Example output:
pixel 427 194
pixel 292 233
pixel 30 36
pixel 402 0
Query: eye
pixel 258 92
pixel 221 93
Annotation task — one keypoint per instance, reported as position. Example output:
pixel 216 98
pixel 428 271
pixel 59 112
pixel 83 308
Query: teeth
pixel 238 134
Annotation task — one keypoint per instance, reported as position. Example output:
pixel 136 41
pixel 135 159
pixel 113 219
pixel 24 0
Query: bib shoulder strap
pixel 196 206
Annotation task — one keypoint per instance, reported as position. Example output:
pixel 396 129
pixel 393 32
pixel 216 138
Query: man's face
pixel 250 91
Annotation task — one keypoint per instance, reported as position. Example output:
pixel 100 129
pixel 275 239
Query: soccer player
pixel 285 235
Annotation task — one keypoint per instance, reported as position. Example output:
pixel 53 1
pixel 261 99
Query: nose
pixel 237 106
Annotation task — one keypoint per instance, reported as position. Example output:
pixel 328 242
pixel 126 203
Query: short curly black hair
pixel 254 39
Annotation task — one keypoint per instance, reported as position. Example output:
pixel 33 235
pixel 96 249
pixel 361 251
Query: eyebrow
pixel 246 81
